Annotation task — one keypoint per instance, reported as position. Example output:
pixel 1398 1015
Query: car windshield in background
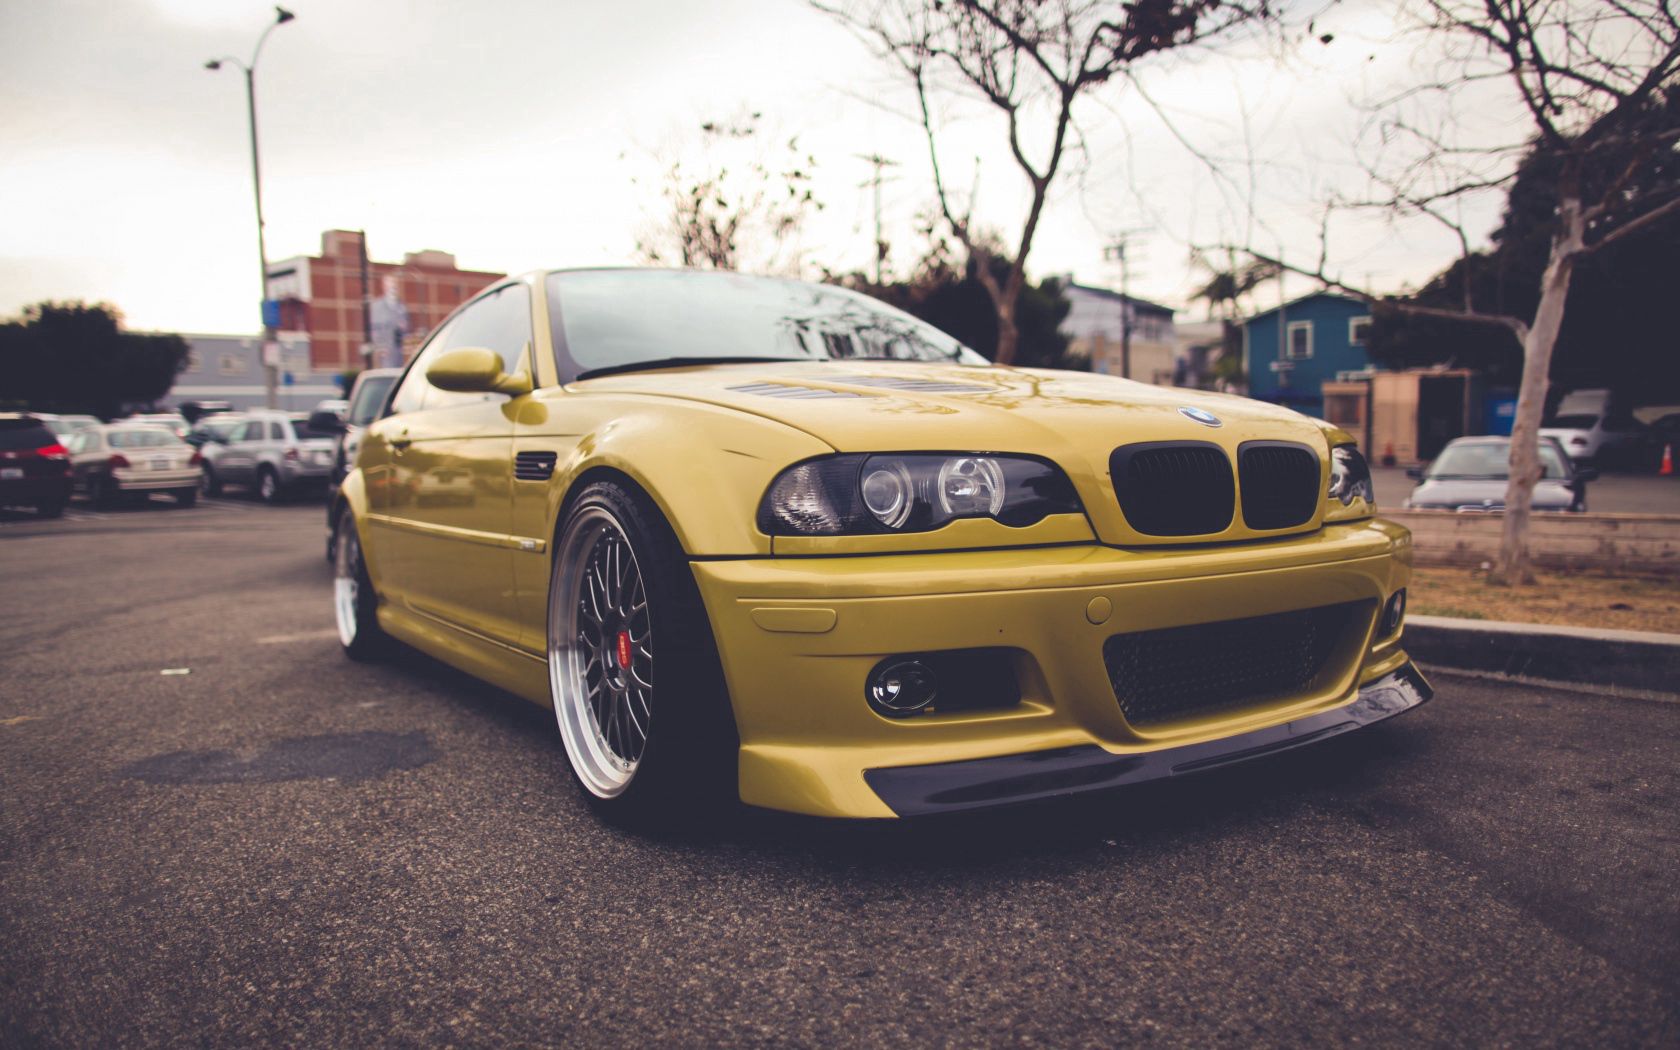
pixel 1485 460
pixel 370 398
pixel 620 320
pixel 305 432
pixel 141 438
pixel 1570 423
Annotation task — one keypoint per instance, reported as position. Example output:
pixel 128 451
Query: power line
pixel 879 163
pixel 1116 251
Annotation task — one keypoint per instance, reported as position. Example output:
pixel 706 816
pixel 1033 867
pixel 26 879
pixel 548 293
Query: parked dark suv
pixel 34 467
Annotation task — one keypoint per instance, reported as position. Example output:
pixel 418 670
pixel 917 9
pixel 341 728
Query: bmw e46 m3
pixel 762 539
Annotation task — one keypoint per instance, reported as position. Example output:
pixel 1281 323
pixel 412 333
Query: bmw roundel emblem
pixel 1206 419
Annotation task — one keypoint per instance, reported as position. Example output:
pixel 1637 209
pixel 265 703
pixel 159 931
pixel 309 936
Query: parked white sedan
pixel 118 459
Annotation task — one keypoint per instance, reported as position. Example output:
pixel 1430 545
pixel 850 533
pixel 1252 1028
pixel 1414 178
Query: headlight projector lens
pixel 887 493
pixel 971 486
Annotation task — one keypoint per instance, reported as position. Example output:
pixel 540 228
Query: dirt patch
pixel 1632 603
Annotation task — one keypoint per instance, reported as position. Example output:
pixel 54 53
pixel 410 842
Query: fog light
pixel 902 687
pixel 1393 612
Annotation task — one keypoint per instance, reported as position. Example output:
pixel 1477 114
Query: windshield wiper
pixel 677 362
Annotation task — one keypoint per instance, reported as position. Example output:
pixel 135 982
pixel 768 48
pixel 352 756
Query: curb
pixel 1621 661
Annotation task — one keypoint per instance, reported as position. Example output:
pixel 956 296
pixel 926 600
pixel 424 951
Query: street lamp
pixel 271 365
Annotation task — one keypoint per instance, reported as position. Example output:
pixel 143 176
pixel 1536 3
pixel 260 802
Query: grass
pixel 1634 603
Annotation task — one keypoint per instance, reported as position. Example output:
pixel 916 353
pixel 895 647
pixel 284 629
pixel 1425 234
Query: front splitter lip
pixel 951 787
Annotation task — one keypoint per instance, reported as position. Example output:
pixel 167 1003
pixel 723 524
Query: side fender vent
pixel 534 466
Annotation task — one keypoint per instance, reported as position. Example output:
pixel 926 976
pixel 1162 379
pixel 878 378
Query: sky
pixel 520 134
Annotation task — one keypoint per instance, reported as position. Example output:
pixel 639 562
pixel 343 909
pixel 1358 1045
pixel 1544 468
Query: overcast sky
pixel 509 132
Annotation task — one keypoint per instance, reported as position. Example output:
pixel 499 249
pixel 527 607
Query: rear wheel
pixel 210 484
pixel 633 670
pixel 355 603
pixel 106 492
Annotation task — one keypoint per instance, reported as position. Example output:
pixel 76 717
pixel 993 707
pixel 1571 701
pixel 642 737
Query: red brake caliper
pixel 624 648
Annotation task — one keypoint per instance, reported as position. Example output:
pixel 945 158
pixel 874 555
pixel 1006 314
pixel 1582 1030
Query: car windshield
pixel 1491 460
pixel 613 320
pixel 371 392
pixel 305 432
pixel 151 438
pixel 1571 422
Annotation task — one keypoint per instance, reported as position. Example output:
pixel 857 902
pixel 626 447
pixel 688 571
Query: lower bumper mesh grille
pixel 1177 673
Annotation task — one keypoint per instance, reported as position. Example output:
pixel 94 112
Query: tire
pixel 105 493
pixel 51 509
pixel 210 484
pixel 355 602
pixel 268 486
pixel 668 747
pixel 186 497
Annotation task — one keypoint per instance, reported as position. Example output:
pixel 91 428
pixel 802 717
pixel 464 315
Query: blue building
pixel 1291 351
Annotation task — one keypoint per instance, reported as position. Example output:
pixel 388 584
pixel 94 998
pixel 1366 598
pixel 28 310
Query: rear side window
pixel 276 432
pixel 25 433
pixel 305 432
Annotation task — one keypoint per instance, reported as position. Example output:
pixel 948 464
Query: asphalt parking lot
pixel 282 848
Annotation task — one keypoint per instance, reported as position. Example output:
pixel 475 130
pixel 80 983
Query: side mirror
pixel 1415 473
pixel 474 370
pixel 1585 474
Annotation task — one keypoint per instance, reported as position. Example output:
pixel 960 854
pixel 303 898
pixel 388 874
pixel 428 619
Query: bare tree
pixel 1032 61
pixel 731 202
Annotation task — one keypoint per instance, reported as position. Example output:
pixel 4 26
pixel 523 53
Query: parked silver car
pixel 114 460
pixel 273 453
pixel 1471 473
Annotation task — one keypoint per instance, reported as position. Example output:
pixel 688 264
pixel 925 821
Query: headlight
pixel 911 492
pixel 1350 476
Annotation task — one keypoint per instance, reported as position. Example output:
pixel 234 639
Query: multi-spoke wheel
pixel 603 655
pixel 355 603
pixel 632 668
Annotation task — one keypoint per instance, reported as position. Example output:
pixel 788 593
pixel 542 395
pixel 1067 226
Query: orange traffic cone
pixel 1667 467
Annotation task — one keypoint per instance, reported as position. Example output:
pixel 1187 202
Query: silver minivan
pixel 273 453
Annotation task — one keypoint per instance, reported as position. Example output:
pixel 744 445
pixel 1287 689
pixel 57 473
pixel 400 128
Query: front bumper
pixel 950 787
pixel 798 638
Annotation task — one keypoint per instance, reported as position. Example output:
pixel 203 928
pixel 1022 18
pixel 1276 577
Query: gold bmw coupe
pixel 761 539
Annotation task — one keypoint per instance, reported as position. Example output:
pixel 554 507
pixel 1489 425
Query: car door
pixel 238 461
pixel 439 471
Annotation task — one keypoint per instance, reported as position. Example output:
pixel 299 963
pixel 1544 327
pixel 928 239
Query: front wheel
pixel 633 672
pixel 268 486
pixel 355 602
pixel 186 497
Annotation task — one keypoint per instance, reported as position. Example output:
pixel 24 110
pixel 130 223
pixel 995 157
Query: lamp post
pixel 271 358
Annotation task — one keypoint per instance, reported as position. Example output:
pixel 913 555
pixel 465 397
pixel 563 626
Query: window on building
pixel 1345 410
pixel 230 365
pixel 192 361
pixel 1299 343
pixel 1359 331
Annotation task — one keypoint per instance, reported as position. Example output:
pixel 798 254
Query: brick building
pixel 322 296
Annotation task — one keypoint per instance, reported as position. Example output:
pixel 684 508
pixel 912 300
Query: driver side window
pixel 501 321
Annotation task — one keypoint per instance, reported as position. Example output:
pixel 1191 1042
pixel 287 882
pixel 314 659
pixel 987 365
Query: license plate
pixel 10 473
pixel 160 464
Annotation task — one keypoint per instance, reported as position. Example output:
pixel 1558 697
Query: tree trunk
pixel 1009 336
pixel 1513 566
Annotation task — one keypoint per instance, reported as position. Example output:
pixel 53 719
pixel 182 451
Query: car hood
pixel 1488 493
pixel 1074 419
pixel 876 406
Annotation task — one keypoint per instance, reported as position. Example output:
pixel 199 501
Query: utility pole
pixel 367 305
pixel 1115 251
pixel 270 322
pixel 878 162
